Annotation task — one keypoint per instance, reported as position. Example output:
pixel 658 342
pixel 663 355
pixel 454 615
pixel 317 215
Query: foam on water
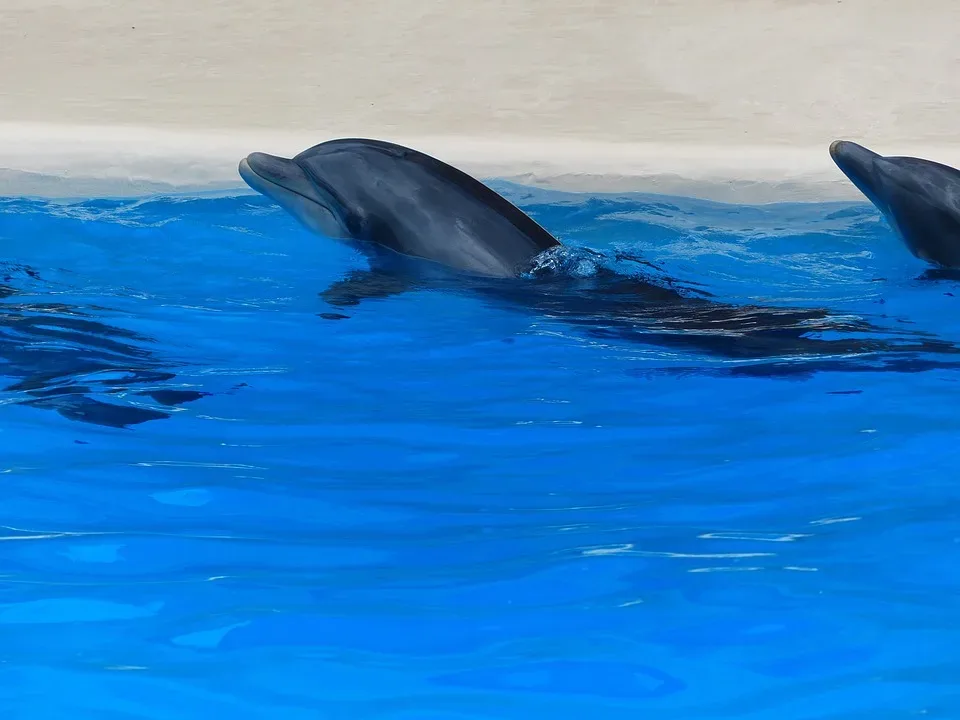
pixel 442 507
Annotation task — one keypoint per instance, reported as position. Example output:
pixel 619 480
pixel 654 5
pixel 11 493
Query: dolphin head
pixel 301 193
pixel 919 198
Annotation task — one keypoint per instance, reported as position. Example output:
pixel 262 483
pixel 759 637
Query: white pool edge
pixel 50 160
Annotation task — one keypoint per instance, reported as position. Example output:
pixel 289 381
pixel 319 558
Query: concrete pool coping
pixel 48 160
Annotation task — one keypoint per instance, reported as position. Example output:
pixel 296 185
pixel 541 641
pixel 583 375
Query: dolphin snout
pixel 848 152
pixel 846 148
pixel 266 166
pixel 858 164
pixel 866 170
pixel 269 174
pixel 284 181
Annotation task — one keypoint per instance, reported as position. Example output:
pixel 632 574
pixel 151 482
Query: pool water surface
pixel 223 497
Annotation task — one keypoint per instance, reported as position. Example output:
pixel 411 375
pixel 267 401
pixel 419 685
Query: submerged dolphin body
pixel 919 198
pixel 58 357
pixel 423 224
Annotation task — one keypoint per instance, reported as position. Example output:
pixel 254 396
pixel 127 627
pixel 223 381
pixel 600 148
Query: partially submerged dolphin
pixel 919 198
pixel 424 224
pixel 383 196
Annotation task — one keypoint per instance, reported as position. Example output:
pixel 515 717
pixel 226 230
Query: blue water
pixel 442 507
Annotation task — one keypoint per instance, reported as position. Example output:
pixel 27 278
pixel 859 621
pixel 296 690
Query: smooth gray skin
pixel 919 198
pixel 378 195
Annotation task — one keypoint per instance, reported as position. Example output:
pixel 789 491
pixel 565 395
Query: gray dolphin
pixel 919 198
pixel 389 196
pixel 424 224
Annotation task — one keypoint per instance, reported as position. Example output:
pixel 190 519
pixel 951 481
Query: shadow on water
pixel 59 358
pixel 601 295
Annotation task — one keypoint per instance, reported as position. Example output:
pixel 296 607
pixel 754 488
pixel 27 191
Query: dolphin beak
pixel 851 157
pixel 270 174
pixel 859 165
pixel 285 182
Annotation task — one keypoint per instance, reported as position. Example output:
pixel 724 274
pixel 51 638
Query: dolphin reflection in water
pixel 57 356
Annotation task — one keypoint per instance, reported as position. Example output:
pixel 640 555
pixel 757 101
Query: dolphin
pixel 393 198
pixel 58 358
pixel 423 224
pixel 920 199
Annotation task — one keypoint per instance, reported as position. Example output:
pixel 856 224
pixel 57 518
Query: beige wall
pixel 707 90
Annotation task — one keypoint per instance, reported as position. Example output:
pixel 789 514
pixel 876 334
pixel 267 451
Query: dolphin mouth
pixel 272 175
pixel 837 147
pixel 286 183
